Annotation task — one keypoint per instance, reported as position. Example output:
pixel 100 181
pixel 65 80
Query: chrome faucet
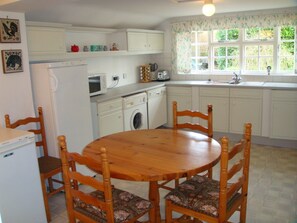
pixel 236 78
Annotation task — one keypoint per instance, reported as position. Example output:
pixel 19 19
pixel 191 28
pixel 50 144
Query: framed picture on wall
pixel 12 61
pixel 10 31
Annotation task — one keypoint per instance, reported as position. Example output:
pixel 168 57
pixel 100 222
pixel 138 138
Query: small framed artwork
pixel 12 61
pixel 10 31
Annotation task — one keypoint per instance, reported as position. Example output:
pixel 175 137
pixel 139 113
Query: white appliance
pixel 97 84
pixel 62 89
pixel 157 107
pixel 21 197
pixel 135 112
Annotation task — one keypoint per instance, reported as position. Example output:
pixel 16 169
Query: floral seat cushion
pixel 200 194
pixel 126 206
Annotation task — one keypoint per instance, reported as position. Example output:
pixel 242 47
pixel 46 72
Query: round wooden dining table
pixel 155 155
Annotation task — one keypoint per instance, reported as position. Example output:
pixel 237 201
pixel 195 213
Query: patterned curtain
pixel 181 32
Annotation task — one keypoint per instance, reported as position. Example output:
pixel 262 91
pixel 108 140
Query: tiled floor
pixel 272 188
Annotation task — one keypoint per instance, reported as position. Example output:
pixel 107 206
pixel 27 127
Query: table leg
pixel 154 197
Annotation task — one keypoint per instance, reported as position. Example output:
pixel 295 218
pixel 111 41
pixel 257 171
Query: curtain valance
pixel 236 21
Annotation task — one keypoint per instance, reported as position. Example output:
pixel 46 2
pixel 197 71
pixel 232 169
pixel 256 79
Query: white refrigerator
pixel 21 197
pixel 62 89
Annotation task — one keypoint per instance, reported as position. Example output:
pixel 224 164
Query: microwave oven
pixel 97 84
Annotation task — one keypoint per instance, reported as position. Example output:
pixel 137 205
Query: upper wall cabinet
pixel 46 42
pixel 139 40
pixel 52 41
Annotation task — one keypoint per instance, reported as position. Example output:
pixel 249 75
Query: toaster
pixel 163 75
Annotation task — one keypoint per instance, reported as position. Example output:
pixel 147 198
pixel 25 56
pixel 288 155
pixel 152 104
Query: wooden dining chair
pixel 104 203
pixel 48 166
pixel 216 201
pixel 208 130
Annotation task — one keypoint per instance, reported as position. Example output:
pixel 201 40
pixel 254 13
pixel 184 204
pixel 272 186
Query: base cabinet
pixel 245 106
pixel 183 97
pixel 110 117
pixel 283 114
pixel 219 99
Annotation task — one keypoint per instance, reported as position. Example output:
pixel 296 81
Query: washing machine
pixel 135 112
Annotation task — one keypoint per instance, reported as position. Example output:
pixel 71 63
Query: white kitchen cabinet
pixel 219 98
pixel 183 96
pixel 110 117
pixel 145 41
pixel 283 114
pixel 245 106
pixel 46 42
pixel 139 40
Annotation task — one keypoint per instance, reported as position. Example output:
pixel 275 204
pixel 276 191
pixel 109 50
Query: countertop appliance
pixel 62 89
pixel 97 84
pixel 135 112
pixel 163 75
pixel 21 197
pixel 157 107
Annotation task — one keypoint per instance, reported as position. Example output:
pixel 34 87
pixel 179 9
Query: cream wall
pixel 15 88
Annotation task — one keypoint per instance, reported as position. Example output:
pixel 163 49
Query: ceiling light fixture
pixel 208 8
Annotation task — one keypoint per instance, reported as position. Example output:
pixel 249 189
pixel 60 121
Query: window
pixel 250 50
pixel 287 46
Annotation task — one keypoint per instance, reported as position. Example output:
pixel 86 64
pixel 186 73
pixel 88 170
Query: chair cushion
pixel 48 164
pixel 199 193
pixel 125 205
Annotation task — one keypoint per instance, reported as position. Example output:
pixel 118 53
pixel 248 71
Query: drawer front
pixel 218 92
pixel 284 95
pixel 246 93
pixel 179 90
pixel 110 105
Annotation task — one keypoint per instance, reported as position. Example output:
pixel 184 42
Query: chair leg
pixel 45 198
pixel 50 184
pixel 243 210
pixel 210 173
pixel 168 212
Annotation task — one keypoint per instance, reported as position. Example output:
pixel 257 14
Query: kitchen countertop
pixel 126 90
pixel 244 84
pixel 141 87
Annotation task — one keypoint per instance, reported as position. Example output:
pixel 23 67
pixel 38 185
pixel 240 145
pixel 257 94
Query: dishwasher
pixel 157 107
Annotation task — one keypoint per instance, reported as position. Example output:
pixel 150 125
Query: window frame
pixel 242 43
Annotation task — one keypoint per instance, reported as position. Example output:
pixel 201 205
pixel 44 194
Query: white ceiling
pixel 117 14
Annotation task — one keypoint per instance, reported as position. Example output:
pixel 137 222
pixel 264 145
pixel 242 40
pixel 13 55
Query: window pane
pixel 220 64
pixel 220 51
pixel 251 64
pixel 287 63
pixel 266 50
pixel 202 64
pixel 233 34
pixel 264 62
pixel 251 50
pixel 266 33
pixel 252 33
pixel 233 51
pixel 194 64
pixel 233 64
pixel 287 33
pixel 219 35
pixel 202 51
pixel 202 37
pixel 193 51
pixel 287 49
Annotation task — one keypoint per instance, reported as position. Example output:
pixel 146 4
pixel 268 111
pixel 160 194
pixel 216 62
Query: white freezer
pixel 62 90
pixel 21 197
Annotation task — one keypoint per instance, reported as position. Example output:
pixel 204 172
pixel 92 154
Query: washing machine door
pixel 136 121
